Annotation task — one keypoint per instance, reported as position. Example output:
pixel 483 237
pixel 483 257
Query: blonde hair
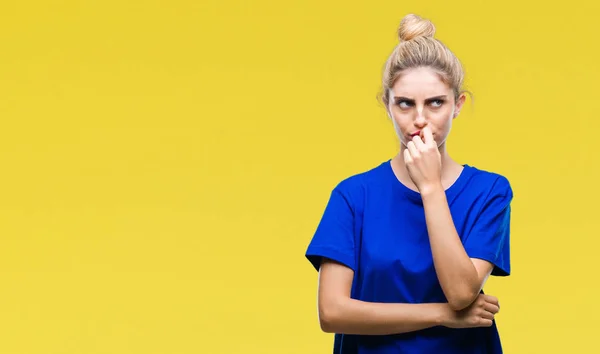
pixel 419 48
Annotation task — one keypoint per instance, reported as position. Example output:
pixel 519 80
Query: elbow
pixel 458 304
pixel 327 325
pixel 460 300
pixel 329 316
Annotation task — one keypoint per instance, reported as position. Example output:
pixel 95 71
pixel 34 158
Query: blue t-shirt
pixel 376 226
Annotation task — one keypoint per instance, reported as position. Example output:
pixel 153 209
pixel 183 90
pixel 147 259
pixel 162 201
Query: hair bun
pixel 413 26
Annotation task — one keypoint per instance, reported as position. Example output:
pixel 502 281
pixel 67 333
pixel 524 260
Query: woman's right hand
pixel 479 314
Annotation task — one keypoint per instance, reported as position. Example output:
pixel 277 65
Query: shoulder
pixel 354 187
pixel 490 184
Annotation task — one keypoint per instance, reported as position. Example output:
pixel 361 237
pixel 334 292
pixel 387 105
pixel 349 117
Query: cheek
pixel 445 126
pixel 397 123
pixel 444 117
pixel 401 118
pixel 400 122
pixel 442 121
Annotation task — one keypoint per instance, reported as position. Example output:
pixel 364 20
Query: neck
pixel 450 168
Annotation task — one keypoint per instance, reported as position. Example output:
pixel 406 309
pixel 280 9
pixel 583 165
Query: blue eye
pixel 437 103
pixel 404 104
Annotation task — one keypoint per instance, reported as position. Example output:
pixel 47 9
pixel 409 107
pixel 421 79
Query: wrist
pixel 431 189
pixel 446 314
pixel 443 315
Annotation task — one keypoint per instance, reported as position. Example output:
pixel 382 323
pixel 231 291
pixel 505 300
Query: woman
pixel 404 249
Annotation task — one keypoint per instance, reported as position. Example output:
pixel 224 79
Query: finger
pixel 427 135
pixel 414 152
pixel 491 308
pixel 419 143
pixel 486 322
pixel 487 315
pixel 407 158
pixel 492 300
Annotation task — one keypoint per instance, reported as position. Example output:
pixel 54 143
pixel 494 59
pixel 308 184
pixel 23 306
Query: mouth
pixel 415 134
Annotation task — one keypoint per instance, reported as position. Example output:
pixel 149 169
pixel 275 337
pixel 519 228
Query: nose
pixel 420 120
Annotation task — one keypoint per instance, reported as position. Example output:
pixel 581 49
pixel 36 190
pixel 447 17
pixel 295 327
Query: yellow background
pixel 165 163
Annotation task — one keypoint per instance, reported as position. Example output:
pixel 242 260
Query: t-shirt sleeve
pixel 334 236
pixel 490 237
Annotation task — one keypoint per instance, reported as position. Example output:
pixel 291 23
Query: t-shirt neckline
pixel 416 196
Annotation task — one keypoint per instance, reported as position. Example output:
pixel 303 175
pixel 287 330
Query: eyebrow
pixel 402 98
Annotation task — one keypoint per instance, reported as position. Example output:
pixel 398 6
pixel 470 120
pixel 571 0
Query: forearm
pixel 455 270
pixel 352 316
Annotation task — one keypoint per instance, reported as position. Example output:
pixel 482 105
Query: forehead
pixel 420 82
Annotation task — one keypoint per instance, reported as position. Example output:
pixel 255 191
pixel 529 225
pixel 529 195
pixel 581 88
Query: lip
pixel 420 134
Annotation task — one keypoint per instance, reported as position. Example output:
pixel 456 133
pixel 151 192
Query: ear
pixel 459 104
pixel 383 99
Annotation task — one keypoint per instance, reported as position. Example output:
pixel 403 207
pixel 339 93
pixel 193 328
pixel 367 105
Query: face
pixel 419 98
